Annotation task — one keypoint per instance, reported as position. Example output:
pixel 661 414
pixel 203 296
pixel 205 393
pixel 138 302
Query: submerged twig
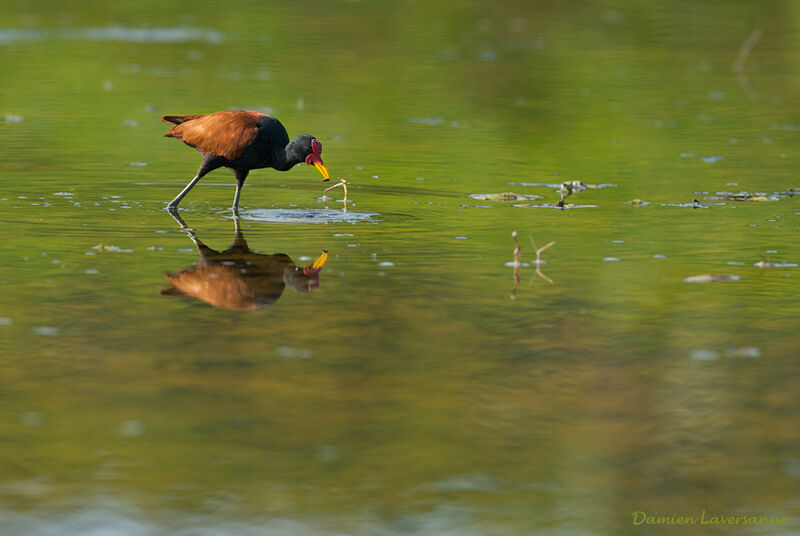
pixel 739 66
pixel 343 184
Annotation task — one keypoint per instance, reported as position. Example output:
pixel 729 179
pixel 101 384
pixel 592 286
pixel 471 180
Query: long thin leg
pixel 173 205
pixel 210 163
pixel 241 175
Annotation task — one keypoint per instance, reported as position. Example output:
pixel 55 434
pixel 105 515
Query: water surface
pixel 408 393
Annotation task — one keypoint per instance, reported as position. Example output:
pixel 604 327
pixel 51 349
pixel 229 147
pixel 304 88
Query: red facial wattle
pixel 315 159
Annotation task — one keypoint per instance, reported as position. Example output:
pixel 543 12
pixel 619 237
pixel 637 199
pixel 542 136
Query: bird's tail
pixel 178 119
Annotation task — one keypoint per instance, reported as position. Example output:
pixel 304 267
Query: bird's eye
pixel 316 146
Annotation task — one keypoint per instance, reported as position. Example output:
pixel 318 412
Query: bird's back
pixel 229 133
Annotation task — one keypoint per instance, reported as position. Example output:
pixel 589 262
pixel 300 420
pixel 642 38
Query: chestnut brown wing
pixel 227 134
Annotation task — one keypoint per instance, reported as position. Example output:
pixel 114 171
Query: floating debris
pixel 636 203
pixel 749 352
pixel 611 259
pixel 765 264
pixel 694 204
pixel 559 205
pixel 743 196
pixel 565 189
pixel 138 164
pixel 386 263
pixel 505 197
pixel 111 249
pixel 557 185
pixel 571 187
pixel 711 278
pixel 710 159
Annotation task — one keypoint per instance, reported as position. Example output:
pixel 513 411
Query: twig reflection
pixel 740 65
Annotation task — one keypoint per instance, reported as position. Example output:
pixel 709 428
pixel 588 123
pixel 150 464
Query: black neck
pixel 289 157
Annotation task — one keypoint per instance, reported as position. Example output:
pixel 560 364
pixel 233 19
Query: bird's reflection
pixel 238 278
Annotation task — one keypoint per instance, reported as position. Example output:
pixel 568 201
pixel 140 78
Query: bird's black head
pixel 309 149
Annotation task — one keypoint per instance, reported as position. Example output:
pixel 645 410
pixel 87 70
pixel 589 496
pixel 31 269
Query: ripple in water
pixel 180 34
pixel 308 216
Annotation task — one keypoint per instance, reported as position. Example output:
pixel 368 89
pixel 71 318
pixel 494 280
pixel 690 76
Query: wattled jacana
pixel 242 140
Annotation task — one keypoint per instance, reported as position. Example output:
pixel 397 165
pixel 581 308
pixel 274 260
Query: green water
pixel 409 393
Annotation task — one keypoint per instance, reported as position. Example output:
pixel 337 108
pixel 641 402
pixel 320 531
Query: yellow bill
pixel 322 169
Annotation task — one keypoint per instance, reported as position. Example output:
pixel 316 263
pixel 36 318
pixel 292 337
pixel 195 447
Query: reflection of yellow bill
pixel 321 260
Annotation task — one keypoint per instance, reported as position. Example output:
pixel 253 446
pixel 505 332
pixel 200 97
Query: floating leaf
pixel 505 197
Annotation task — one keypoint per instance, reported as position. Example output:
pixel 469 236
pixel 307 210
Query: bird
pixel 242 140
pixel 238 278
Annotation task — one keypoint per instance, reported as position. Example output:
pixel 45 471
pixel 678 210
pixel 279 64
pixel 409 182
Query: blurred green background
pixel 409 394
